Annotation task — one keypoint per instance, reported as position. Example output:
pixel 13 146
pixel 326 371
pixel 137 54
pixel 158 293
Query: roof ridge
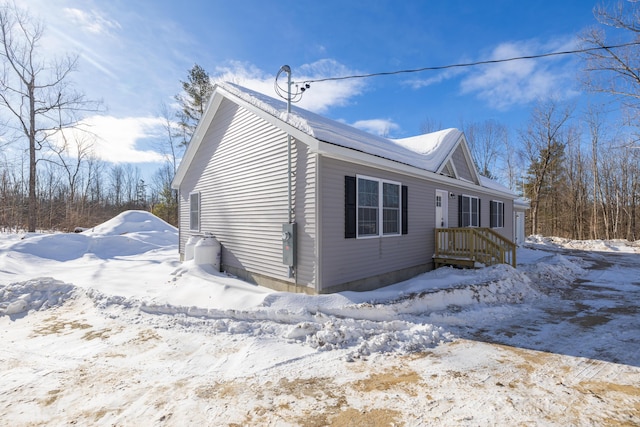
pixel 254 98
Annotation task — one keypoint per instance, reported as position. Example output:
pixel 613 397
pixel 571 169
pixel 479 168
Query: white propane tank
pixel 207 252
pixel 189 246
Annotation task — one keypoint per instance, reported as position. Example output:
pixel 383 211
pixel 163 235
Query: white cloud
pixel 90 34
pixel 116 139
pixel 522 81
pixel 381 127
pixel 92 21
pixel 319 98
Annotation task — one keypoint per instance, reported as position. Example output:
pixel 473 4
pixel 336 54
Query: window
pixel 194 211
pixel 469 210
pixel 390 208
pixel 497 214
pixel 379 207
pixel 368 204
pixel 372 204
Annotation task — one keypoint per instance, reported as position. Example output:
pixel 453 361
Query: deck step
pixel 456 262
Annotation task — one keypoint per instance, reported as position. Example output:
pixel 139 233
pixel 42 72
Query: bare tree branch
pixel 36 93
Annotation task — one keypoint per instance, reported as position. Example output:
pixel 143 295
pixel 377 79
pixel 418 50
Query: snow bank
pixel 392 319
pixel 129 233
pixel 127 266
pixel 585 245
pixel 132 221
pixel 35 294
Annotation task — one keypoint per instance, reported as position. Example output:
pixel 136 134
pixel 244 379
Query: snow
pixel 107 327
pixel 434 146
pixel 426 151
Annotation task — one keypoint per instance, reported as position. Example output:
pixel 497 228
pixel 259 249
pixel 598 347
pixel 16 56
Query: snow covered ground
pixel 107 327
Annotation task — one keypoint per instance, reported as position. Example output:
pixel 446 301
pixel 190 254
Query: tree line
pixel 580 170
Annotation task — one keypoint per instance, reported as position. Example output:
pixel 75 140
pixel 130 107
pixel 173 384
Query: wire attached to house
pixel 306 83
pixel 283 92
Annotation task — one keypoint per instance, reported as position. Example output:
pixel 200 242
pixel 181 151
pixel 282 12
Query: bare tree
pixel 171 147
pixel 116 185
pixel 571 196
pixel 609 70
pixel 486 141
pixel 71 156
pixel 11 197
pixel 430 125
pixel 32 89
pixel 165 199
pixel 513 169
pixel 544 145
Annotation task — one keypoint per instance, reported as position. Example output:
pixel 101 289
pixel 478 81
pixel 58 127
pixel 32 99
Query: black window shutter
pixel 405 210
pixel 460 211
pixel 492 214
pixel 503 214
pixel 350 207
pixel 479 217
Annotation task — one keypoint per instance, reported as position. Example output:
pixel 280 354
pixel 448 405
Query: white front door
pixel 442 212
pixel 519 227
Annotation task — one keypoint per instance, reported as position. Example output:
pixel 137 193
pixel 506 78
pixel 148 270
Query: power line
pixel 468 64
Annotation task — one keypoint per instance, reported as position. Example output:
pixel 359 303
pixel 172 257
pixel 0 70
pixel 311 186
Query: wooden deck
pixel 472 247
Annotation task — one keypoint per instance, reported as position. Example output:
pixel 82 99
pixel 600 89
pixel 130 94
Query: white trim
pixel 194 193
pixel 460 207
pixel 444 206
pixel 467 157
pixel 353 156
pixel 380 207
pixel 318 225
pixel 501 213
pixel 453 169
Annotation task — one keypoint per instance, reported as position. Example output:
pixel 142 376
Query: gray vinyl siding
pixel 240 170
pixel 346 260
pixel 460 162
pixel 485 212
pixel 305 214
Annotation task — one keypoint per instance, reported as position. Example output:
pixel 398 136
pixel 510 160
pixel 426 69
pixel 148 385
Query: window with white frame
pixel 469 211
pixel 379 203
pixel 194 211
pixel 497 214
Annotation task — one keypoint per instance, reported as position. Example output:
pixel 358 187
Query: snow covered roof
pixel 428 152
pixel 433 147
pixel 521 203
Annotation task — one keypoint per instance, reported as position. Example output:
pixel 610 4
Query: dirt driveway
pixel 596 316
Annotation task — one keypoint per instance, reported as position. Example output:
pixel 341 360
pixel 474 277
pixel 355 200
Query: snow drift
pixel 129 264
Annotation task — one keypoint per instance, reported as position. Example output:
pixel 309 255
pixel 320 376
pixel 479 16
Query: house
pixel 303 203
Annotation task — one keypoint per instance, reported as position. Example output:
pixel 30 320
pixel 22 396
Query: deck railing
pixel 471 245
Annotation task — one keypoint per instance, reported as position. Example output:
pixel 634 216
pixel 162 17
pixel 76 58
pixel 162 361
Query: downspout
pixel 287 70
pixel 292 268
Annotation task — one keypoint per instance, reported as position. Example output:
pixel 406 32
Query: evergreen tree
pixel 193 100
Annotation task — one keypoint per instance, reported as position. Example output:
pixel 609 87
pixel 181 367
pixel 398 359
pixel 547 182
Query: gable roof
pixel 429 152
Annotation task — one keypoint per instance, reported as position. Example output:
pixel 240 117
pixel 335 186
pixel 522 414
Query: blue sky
pixel 134 53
